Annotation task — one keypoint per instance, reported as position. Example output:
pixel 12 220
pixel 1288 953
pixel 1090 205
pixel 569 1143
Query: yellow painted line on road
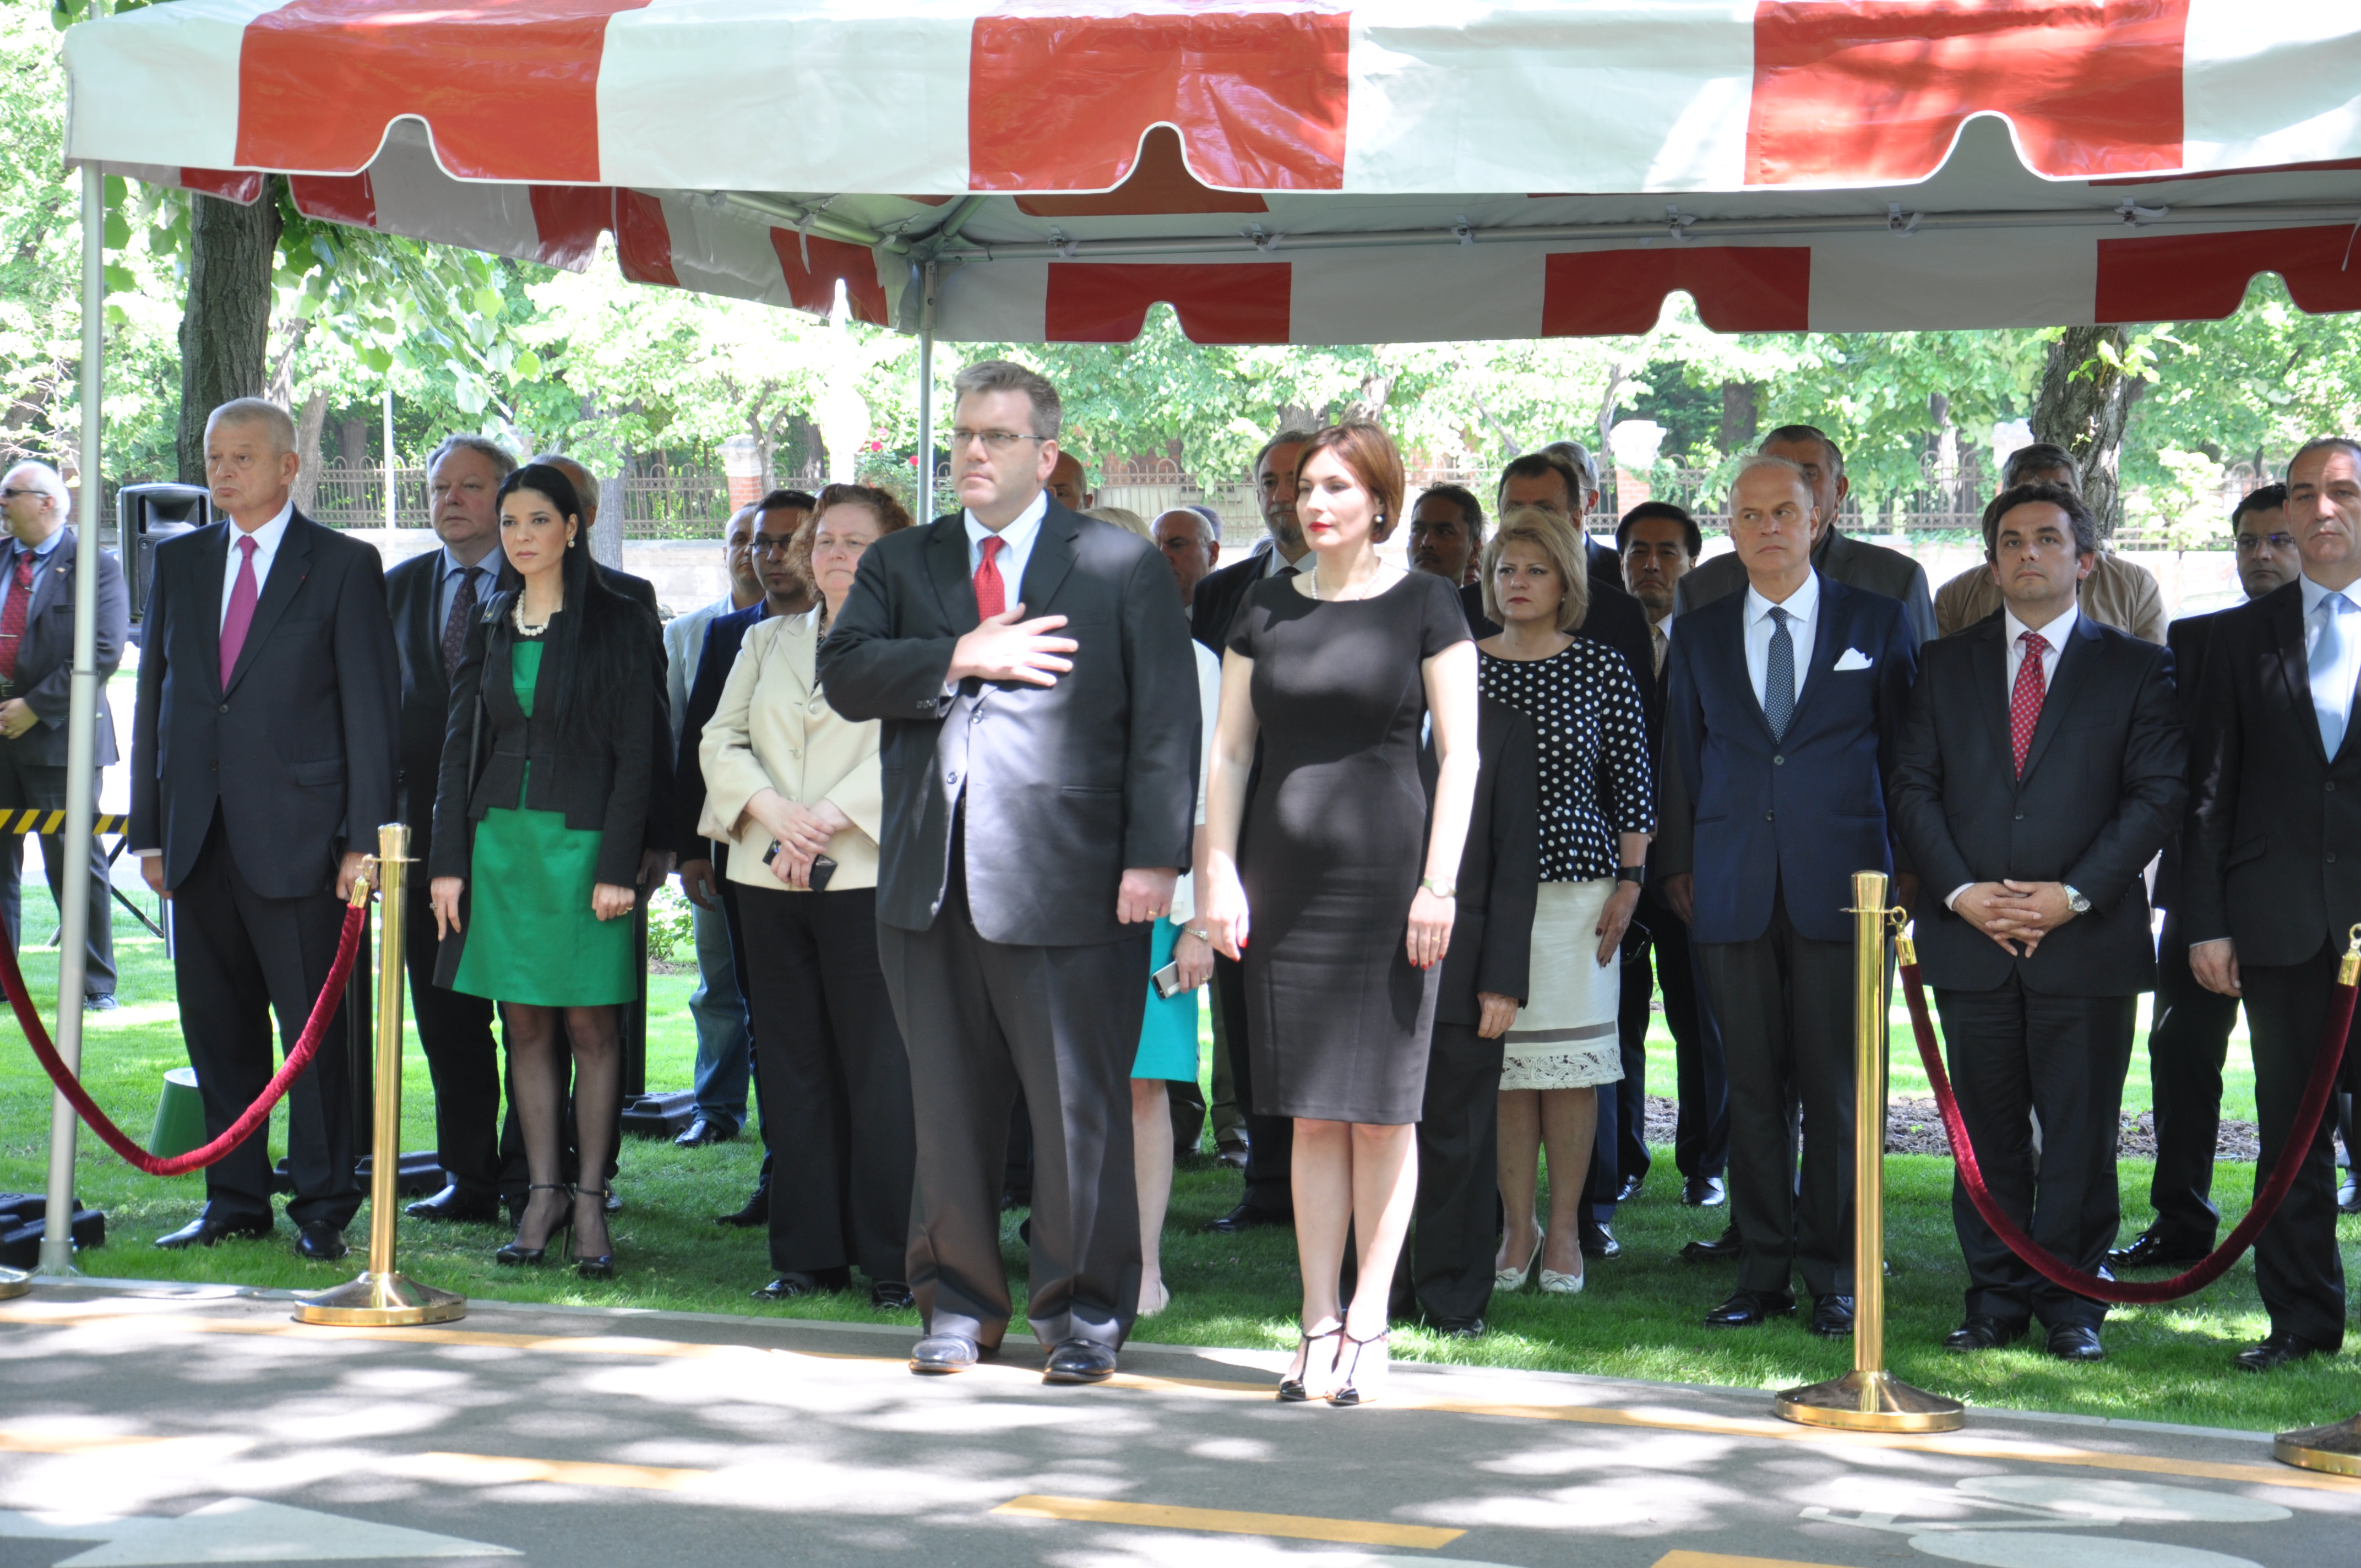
pixel 1229 1521
pixel 1724 1560
pixel 19 1442
pixel 491 1469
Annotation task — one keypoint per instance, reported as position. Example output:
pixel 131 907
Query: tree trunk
pixel 226 326
pixel 1740 414
pixel 309 419
pixel 2081 406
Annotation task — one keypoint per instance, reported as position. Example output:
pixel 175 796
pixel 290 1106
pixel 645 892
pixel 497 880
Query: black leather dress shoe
pixel 104 1002
pixel 1982 1331
pixel 1080 1361
pixel 1750 1308
pixel 2277 1352
pixel 794 1282
pixel 1630 1189
pixel 1246 1217
pixel 1597 1241
pixel 1832 1316
pixel 705 1130
pixel 1723 1248
pixel 1456 1328
pixel 891 1295
pixel 2152 1250
pixel 321 1241
pixel 756 1213
pixel 463 1208
pixel 945 1353
pixel 2071 1342
pixel 205 1232
pixel 1233 1155
pixel 1705 1193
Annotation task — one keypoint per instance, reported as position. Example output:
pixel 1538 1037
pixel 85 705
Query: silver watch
pixel 2076 902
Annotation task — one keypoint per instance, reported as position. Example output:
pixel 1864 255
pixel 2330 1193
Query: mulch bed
pixel 1914 1126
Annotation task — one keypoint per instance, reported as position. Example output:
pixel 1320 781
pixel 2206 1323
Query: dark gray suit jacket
pixel 1065 786
pixel 1853 561
pixel 44 677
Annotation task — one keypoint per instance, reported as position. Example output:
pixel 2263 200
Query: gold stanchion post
pixel 2336 1447
pixel 382 1296
pixel 1869 1398
pixel 14 1282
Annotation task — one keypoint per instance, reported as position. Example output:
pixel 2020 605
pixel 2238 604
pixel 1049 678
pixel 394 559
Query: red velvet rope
pixel 2316 1091
pixel 36 1034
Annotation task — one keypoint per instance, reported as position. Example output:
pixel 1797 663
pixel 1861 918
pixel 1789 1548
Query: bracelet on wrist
pixel 1636 875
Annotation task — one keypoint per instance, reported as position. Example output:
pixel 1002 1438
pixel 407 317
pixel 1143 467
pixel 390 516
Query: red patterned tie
pixel 991 595
pixel 2024 702
pixel 12 618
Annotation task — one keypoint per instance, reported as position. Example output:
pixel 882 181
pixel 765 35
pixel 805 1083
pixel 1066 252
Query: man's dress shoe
pixel 2277 1352
pixel 891 1295
pixel 321 1241
pixel 1457 1328
pixel 469 1209
pixel 945 1353
pixel 1080 1361
pixel 756 1213
pixel 794 1282
pixel 2152 1251
pixel 1705 1193
pixel 1832 1316
pixel 1630 1189
pixel 1750 1308
pixel 705 1130
pixel 104 1002
pixel 1246 1217
pixel 1982 1331
pixel 205 1232
pixel 2071 1342
pixel 1723 1248
pixel 1597 1241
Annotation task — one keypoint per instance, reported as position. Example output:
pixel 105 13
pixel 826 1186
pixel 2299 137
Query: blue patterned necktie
pixel 1779 677
pixel 2328 699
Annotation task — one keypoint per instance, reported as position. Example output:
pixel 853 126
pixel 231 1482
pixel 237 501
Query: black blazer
pixel 1219 592
pixel 44 679
pixel 298 753
pixel 2274 848
pixel 600 780
pixel 2104 786
pixel 2187 638
pixel 1065 786
pixel 1499 870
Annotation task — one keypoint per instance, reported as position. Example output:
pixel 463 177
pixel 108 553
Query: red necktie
pixel 240 618
pixel 12 619
pixel 991 594
pixel 2024 702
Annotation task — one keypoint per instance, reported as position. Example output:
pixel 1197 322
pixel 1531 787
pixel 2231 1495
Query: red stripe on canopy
pixel 643 239
pixel 2204 276
pixel 1108 301
pixel 1875 91
pixel 337 198
pixel 570 218
pixel 1059 103
pixel 1619 293
pixel 229 184
pixel 813 288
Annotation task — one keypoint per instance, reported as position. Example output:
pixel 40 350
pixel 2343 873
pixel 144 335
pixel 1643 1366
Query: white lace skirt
pixel 1564 1035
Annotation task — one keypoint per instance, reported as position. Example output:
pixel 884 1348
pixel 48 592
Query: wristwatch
pixel 1437 886
pixel 1636 875
pixel 2076 902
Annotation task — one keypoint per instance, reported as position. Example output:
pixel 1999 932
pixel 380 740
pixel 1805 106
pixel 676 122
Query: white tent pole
pixel 926 391
pixel 74 912
pixel 389 519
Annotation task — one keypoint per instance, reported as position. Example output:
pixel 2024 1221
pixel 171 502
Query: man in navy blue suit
pixel 1785 704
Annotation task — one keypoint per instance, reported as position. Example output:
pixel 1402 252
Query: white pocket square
pixel 1854 659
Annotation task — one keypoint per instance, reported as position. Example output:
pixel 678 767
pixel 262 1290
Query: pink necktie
pixel 240 618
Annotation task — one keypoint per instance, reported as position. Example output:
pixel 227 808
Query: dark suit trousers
pixel 1271 1140
pixel 1457 1211
pixel 2187 1044
pixel 983 1019
pixel 455 1030
pixel 841 1183
pixel 238 958
pixel 42 785
pixel 2297 1265
pixel 1785 1007
pixel 1701 1145
pixel 2011 1051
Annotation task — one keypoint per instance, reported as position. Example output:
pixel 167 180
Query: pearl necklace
pixel 516 618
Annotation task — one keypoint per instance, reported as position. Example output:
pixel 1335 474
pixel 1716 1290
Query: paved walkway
pixel 143 1425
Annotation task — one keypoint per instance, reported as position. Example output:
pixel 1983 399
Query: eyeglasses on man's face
pixel 2256 543
pixel 772 544
pixel 993 440
pixel 10 495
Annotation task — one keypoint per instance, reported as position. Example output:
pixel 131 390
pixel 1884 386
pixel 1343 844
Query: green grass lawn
pixel 1639 1318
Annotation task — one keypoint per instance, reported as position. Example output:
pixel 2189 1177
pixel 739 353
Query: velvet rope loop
pixel 36 1034
pixel 2316 1091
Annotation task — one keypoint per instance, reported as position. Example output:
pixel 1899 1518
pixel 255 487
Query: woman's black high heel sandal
pixel 603 1266
pixel 513 1253
pixel 1317 1353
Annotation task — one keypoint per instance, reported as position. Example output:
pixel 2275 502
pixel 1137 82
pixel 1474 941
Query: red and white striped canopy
pixel 1293 171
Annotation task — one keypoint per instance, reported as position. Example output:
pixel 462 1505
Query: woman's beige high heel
pixel 1514 1278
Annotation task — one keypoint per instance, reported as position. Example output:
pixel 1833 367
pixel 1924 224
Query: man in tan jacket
pixel 2117 593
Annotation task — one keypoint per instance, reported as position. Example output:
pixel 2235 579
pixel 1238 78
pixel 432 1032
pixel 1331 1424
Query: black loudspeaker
pixel 144 516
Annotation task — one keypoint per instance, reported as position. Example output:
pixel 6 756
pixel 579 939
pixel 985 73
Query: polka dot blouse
pixel 1593 743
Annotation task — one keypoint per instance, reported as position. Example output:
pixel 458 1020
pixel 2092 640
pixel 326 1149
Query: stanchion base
pixel 14 1282
pixel 382 1300
pixel 1870 1401
pixel 2335 1448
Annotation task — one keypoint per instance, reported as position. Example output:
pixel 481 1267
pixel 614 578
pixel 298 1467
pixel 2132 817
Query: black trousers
pixel 2297 1265
pixel 841 1181
pixel 2187 1044
pixel 42 785
pixel 2014 1050
pixel 463 1058
pixel 1457 1207
pixel 1271 1140
pixel 1701 1145
pixel 1785 1006
pixel 982 1019
pixel 239 958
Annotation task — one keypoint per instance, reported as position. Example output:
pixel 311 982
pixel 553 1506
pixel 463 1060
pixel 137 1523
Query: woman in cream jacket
pixel 793 787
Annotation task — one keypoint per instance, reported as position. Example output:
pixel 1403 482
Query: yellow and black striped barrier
pixel 36 820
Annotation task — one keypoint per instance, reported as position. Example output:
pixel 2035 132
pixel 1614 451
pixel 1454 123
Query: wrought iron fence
pixel 655 506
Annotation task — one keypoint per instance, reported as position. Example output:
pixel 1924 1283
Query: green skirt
pixel 531 936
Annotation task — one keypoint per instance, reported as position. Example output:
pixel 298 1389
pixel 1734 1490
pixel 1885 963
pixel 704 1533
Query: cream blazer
pixel 775 730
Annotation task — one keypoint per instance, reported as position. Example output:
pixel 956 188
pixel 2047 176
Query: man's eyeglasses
pixel 2254 543
pixel 769 544
pixel 993 440
pixel 12 495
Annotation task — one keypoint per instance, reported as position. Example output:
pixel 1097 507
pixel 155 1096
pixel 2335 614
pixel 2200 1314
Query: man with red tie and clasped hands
pixel 262 764
pixel 1033 672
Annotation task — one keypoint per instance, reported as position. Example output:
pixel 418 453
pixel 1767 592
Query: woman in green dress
pixel 539 820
